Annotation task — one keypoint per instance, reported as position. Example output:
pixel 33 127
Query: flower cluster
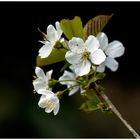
pixel 86 59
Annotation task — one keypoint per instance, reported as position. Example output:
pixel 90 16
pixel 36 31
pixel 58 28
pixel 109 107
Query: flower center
pixel 85 55
pixel 49 104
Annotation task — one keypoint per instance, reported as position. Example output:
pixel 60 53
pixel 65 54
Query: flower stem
pixel 69 88
pixel 118 114
pixel 58 81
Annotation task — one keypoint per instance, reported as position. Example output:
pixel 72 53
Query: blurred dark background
pixel 20 116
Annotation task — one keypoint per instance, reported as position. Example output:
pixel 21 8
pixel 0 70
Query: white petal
pixel 115 49
pixel 40 73
pixel 39 84
pixel 49 74
pixel 45 50
pixel 93 67
pixel 101 67
pixel 67 76
pixel 46 92
pixel 52 34
pixel 76 45
pixel 92 44
pixel 71 68
pixel 111 63
pixel 73 58
pixel 43 42
pixel 74 90
pixel 103 40
pixel 54 99
pixel 82 68
pixel 48 110
pixel 62 40
pixel 42 101
pixel 82 91
pixel 97 57
pixel 56 109
pixel 59 30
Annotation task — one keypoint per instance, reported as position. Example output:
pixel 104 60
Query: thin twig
pixel 117 113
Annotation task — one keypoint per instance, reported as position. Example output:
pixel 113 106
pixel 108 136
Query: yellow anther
pixel 85 55
pixel 49 104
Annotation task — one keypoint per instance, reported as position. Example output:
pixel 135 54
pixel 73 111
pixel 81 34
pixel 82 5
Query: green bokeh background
pixel 20 116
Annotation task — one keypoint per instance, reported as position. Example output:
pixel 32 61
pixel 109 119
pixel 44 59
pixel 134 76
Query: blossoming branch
pixel 86 52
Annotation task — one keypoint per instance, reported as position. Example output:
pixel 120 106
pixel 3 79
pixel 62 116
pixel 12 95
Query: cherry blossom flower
pixel 49 101
pixel 81 54
pixel 69 79
pixel 53 35
pixel 41 82
pixel 112 50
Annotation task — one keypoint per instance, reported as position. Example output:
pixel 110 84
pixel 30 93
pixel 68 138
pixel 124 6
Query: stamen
pixel 49 104
pixel 85 55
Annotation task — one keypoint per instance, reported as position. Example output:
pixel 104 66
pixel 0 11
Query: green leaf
pixel 92 102
pixel 99 76
pixel 56 55
pixel 90 94
pixel 96 25
pixel 95 78
pixel 72 28
pixel 88 106
pixel 104 107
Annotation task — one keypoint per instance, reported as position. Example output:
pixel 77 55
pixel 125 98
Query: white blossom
pixel 112 50
pixel 53 35
pixel 49 101
pixel 69 79
pixel 81 52
pixel 41 82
